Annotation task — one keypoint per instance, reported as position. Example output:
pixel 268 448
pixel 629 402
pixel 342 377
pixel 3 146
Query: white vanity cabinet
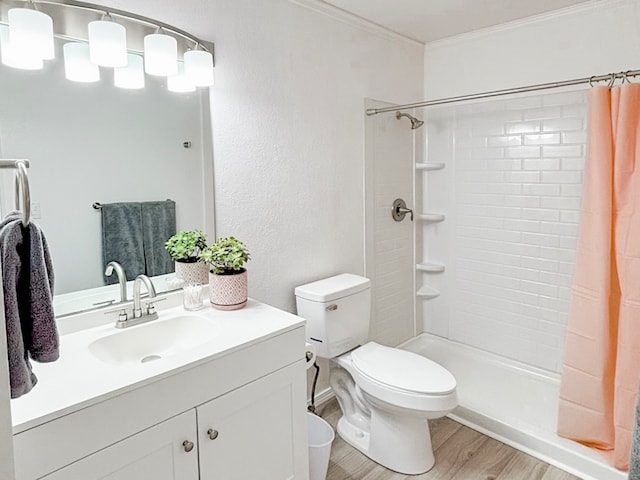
pixel 249 433
pixel 157 453
pixel 243 409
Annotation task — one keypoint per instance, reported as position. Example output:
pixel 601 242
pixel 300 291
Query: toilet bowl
pixel 386 395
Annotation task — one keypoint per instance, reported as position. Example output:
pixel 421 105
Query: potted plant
pixel 227 277
pixel 185 248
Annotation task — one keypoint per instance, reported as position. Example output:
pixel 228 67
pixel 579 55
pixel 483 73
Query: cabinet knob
pixel 187 445
pixel 213 434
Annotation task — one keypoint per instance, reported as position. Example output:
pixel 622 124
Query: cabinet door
pixel 157 453
pixel 257 431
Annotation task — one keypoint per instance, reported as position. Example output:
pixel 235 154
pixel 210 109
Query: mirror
pixel 97 143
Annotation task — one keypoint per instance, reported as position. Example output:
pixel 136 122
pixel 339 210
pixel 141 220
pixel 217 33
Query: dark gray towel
pixel 27 280
pixel 158 224
pixel 634 461
pixel 122 238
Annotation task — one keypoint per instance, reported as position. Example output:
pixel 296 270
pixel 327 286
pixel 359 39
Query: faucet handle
pixel 149 301
pixel 121 310
pixel 122 316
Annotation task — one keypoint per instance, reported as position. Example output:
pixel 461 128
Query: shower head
pixel 415 123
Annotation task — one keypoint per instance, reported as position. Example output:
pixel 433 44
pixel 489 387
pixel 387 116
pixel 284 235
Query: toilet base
pixel 399 444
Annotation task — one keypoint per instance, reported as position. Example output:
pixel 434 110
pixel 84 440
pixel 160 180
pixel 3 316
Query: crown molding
pixel 348 18
pixel 573 10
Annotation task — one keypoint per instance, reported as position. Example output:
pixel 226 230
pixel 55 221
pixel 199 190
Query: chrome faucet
pixel 122 278
pixel 137 307
pixel 138 316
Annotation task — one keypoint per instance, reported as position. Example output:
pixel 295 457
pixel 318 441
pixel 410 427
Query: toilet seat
pixel 403 370
pixel 401 378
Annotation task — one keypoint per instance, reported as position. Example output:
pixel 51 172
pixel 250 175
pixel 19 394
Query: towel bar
pixel 98 205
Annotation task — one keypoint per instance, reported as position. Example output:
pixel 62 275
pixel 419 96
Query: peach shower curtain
pixel 602 357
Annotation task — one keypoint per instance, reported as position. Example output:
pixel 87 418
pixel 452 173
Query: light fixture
pixel 9 57
pixel 131 76
pixel 160 54
pixel 77 65
pixel 198 66
pixel 31 33
pixel 107 43
pixel 180 83
pixel 110 40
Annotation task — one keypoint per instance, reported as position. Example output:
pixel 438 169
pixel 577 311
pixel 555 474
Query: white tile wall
pixel 389 256
pixel 515 169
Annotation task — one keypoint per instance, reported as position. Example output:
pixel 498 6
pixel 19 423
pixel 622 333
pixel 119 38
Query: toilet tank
pixel 337 310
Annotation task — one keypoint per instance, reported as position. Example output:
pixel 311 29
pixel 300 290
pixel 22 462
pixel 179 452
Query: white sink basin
pixel 154 340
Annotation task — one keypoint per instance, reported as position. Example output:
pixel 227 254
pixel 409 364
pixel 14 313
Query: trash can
pixel 320 436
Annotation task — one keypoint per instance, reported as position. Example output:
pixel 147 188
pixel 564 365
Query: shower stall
pixel 480 280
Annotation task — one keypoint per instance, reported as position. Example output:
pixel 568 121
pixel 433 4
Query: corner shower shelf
pixel 430 267
pixel 429 166
pixel 430 217
pixel 427 293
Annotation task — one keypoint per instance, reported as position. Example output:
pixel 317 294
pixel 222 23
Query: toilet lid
pixel 403 370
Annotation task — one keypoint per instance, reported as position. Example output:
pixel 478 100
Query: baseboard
pixel 324 396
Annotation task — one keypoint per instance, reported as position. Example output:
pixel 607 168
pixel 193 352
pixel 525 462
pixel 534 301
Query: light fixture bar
pixel 51 7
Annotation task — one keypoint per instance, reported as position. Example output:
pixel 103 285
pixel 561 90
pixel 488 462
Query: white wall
pixel 597 38
pixel 288 128
pixel 513 173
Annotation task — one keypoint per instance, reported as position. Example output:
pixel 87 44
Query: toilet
pixel 386 395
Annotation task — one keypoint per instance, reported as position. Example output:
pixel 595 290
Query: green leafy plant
pixel 226 256
pixel 186 246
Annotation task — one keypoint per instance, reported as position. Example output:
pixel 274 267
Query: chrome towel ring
pixel 22 192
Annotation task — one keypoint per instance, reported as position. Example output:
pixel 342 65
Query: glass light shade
pixel 198 66
pixel 77 65
pixel 107 44
pixel 31 33
pixel 131 76
pixel 180 83
pixel 9 57
pixel 160 55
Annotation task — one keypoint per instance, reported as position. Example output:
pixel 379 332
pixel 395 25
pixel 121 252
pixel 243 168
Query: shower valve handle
pixel 405 211
pixel 399 210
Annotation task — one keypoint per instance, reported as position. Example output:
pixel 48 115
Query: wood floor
pixel 461 454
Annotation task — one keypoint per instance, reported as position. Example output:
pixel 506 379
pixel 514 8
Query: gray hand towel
pixel 27 278
pixel 122 239
pixel 158 224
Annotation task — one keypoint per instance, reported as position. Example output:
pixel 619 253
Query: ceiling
pixel 429 20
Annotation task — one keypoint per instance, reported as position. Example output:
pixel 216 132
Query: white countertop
pixel 79 379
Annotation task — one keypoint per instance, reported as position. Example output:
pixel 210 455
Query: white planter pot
pixel 192 272
pixel 228 292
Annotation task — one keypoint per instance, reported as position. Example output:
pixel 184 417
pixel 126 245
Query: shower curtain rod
pixel 610 77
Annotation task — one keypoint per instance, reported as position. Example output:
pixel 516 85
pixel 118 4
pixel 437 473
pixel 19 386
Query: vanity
pixel 191 395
